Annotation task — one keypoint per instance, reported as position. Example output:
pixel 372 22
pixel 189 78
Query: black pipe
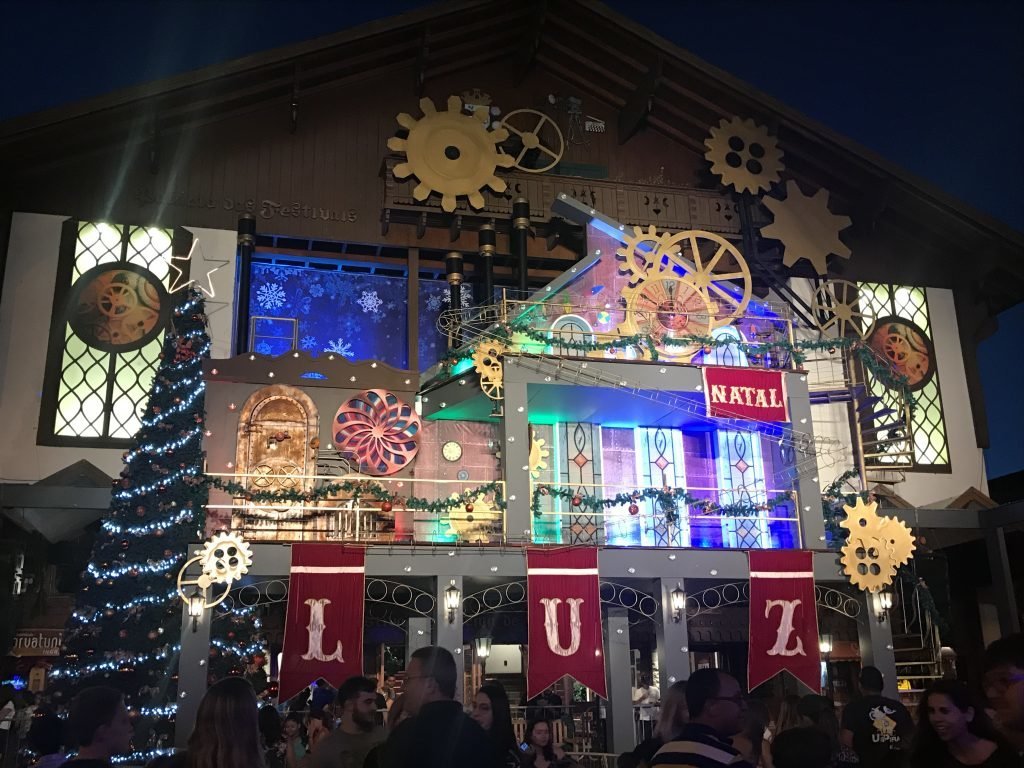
pixel 246 247
pixel 488 240
pixel 517 241
pixel 453 271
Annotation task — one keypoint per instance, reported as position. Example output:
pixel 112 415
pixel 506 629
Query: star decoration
pixel 179 282
pixel 806 227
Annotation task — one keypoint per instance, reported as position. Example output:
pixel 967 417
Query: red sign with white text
pixel 564 619
pixel 745 393
pixel 323 634
pixel 783 618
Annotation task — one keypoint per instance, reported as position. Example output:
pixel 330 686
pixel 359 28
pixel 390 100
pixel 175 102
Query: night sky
pixel 935 87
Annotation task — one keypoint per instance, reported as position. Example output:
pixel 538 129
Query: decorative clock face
pixel 451 451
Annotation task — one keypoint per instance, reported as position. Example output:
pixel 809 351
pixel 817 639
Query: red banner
pixel 323 634
pixel 745 393
pixel 564 619
pixel 783 618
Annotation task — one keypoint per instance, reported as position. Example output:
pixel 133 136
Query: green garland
pixel 832 502
pixel 668 499
pixel 357 489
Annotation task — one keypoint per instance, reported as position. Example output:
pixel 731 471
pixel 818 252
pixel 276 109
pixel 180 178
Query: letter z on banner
pixel 783 618
pixel 323 633
pixel 564 619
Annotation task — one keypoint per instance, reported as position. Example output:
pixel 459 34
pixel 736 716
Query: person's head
pixel 98 722
pixel 947 713
pixel 801 748
pixel 227 730
pixel 269 724
pixel 871 681
pixel 755 720
pixel 397 713
pixel 492 711
pixel 1004 682
pixel 431 676
pixel 643 680
pixel 674 713
pixel 820 712
pixel 45 735
pixel 293 726
pixel 714 699
pixel 357 702
pixel 538 736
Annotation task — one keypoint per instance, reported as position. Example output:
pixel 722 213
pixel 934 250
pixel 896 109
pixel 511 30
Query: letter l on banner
pixel 564 619
pixel 323 633
pixel 783 618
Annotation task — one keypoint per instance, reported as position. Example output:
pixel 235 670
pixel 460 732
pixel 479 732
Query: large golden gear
pixel 835 305
pixel 712 265
pixel 636 256
pixel 875 547
pixel 450 153
pixel 666 306
pixel 474 524
pixel 531 137
pixel 538 455
pixel 806 227
pixel 744 155
pixel 226 557
pixel 487 362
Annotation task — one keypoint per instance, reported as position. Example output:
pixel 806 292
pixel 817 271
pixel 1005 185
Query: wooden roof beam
pixel 530 43
pixel 638 105
pixel 579 80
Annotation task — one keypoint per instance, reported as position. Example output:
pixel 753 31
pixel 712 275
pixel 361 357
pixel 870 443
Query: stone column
pixel 193 670
pixel 449 634
pixel 673 637
pixel 876 647
pixel 418 636
pixel 621 726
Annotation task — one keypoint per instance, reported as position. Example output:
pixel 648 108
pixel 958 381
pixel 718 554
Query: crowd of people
pixel 706 721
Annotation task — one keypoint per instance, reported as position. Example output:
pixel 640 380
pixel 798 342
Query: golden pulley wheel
pixel 667 307
pixel 713 266
pixel 835 305
pixel 528 125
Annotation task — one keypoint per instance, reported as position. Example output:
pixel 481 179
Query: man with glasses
pixel 1004 686
pixel 439 734
pixel 716 705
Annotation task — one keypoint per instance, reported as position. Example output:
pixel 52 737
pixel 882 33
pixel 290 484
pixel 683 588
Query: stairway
pixel 917 645
pixel 884 432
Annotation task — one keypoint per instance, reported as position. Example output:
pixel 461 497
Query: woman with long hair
pixel 540 752
pixel 751 742
pixel 491 710
pixel 788 716
pixel 674 715
pixel 295 745
pixel 952 731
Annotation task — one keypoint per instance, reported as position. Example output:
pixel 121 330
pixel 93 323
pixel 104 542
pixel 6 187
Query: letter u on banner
pixel 783 618
pixel 323 633
pixel 564 619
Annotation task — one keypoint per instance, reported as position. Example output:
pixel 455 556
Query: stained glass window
pixel 907 307
pixel 112 280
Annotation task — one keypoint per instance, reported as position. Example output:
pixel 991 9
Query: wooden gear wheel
pixel 835 305
pixel 538 455
pixel 875 547
pixel 450 153
pixel 744 155
pixel 712 265
pixel 531 138
pixel 487 363
pixel 475 525
pixel 637 253
pixel 666 307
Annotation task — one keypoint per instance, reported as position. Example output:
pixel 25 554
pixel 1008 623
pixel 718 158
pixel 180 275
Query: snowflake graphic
pixel 315 289
pixel 270 296
pixel 308 342
pixel 340 347
pixel 465 297
pixel 263 348
pixel 434 302
pixel 370 302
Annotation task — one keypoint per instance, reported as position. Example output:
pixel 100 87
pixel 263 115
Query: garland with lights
pixel 125 628
pixel 668 501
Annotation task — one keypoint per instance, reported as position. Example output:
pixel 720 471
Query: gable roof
pixel 651 81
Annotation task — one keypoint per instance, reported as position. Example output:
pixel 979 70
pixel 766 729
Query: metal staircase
pixel 917 644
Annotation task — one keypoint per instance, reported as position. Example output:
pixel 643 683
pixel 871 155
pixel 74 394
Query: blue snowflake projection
pixel 264 348
pixel 370 302
pixel 309 343
pixel 340 347
pixel 317 290
pixel 270 296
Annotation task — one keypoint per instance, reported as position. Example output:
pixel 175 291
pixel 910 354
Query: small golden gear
pixel 744 155
pixel 637 253
pixel 450 153
pixel 806 227
pixel 835 305
pixel 487 362
pixel 713 266
pixel 666 306
pixel 531 138
pixel 538 455
pixel 875 547
pixel 474 524
pixel 225 558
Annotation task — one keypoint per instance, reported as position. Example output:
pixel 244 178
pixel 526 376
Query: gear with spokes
pixel 450 153
pixel 487 362
pixel 518 123
pixel 666 306
pixel 713 266
pixel 876 546
pixel 744 155
pixel 836 306
pixel 806 227
pixel 226 557
pixel 636 255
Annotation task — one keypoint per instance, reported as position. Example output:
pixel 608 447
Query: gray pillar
pixel 449 634
pixel 876 648
pixel 1002 581
pixel 515 454
pixel 621 728
pixel 808 487
pixel 418 637
pixel 192 673
pixel 673 638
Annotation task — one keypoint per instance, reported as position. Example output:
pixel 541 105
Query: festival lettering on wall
pixel 261 208
pixel 745 393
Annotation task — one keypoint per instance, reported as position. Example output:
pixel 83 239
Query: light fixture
pixel 483 647
pixel 678 598
pixel 825 644
pixel 452 598
pixel 884 602
pixel 196 607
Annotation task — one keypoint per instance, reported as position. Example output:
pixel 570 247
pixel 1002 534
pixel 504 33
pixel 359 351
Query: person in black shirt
pixel 877 728
pixel 98 722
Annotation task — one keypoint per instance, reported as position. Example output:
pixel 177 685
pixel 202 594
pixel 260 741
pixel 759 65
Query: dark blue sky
pixel 936 87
